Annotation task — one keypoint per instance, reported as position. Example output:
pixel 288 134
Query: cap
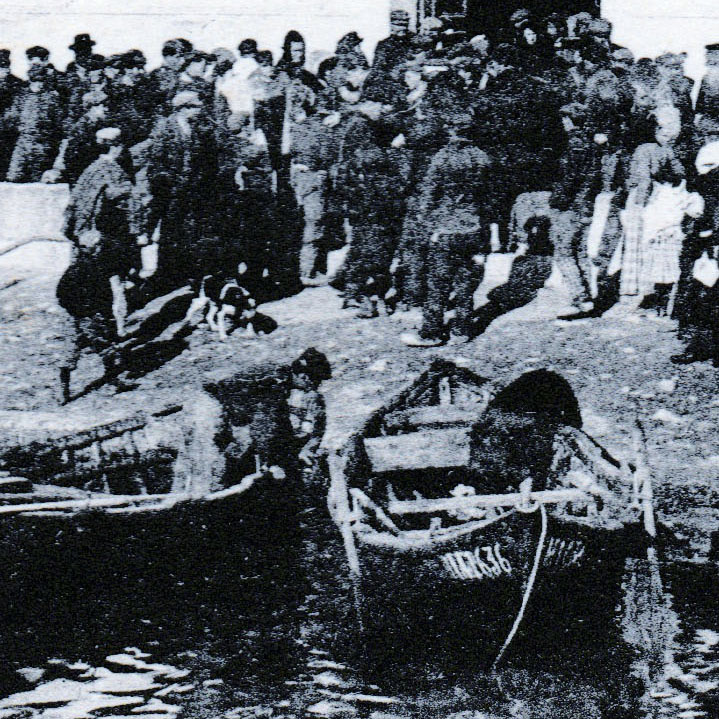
pixel 314 364
pixel 82 42
pixel 42 53
pixel 248 46
pixel 349 41
pixel 178 46
pixel 134 58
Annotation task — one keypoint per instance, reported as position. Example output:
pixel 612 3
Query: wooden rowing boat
pixel 472 517
pixel 79 561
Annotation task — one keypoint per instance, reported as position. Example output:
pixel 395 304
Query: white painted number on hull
pixel 483 563
pixel 563 553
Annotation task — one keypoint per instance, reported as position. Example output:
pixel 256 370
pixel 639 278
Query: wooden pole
pixel 422 506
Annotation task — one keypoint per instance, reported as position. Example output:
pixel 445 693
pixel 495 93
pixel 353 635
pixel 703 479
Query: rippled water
pixel 315 672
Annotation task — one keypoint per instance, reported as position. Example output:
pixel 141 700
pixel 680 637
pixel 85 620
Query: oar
pixel 654 588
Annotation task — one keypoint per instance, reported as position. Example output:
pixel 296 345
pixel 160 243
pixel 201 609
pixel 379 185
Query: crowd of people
pixel 221 180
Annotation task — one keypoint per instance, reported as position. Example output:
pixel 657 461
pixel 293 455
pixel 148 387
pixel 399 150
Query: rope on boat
pixel 530 587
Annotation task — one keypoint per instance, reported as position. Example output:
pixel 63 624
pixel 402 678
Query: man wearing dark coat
pixel 385 82
pixel 130 98
pixel 453 190
pixel 188 183
pixel 101 223
pixel 10 88
pixel 37 117
pixel 707 107
pixel 75 81
pixel 518 125
pixel 165 79
pixel 80 148
pixel 374 172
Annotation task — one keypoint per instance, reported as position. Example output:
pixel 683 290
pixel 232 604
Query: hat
pixel 42 53
pixel 186 98
pixel 4 58
pixel 314 364
pixel 349 41
pixel 82 42
pixel 248 46
pixel 399 17
pixel 134 58
pixel 714 47
pixel 178 46
pixel 108 134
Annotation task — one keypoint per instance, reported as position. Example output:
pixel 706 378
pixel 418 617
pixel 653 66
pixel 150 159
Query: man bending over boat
pixel 530 437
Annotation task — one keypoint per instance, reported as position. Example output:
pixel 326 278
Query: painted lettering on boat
pixel 562 553
pixel 482 563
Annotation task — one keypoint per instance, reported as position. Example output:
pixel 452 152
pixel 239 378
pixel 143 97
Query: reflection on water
pixel 126 685
pixel 670 619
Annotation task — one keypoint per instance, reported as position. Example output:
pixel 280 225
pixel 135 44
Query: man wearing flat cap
pixel 39 57
pixel 707 107
pixel 130 98
pixel 335 71
pixel 10 88
pixel 80 148
pixel 189 192
pixel 194 78
pixel 36 115
pixel 385 82
pixel 165 79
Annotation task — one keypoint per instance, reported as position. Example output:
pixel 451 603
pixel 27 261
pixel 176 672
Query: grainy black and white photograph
pixel 359 359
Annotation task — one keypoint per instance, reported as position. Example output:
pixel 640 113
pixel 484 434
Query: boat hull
pixel 199 566
pixel 459 600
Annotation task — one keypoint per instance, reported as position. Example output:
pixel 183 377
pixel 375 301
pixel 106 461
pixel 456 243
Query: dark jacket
pixel 37 117
pixel 385 82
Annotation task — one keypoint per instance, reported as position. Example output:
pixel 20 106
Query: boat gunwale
pixel 126 504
